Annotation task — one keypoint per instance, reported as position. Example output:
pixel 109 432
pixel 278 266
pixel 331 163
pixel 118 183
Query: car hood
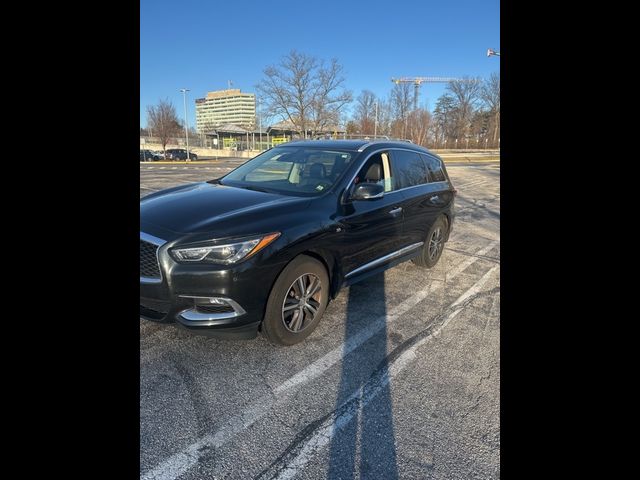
pixel 202 207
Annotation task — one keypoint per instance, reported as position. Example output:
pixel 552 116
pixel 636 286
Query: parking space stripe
pixel 178 463
pixel 345 413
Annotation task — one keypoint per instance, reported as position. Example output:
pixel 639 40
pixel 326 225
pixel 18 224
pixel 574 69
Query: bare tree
pixel 330 97
pixel 490 95
pixel 305 91
pixel 365 112
pixel 418 124
pixel 162 119
pixel 466 93
pixel 385 117
pixel 401 102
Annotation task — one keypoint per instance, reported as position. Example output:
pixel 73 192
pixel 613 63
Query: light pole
pixel 259 123
pixel 375 125
pixel 186 122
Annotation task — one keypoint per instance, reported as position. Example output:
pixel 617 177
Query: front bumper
pixel 215 300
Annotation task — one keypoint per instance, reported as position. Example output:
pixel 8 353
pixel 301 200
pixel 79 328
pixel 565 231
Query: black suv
pixel 148 155
pixel 180 154
pixel 267 246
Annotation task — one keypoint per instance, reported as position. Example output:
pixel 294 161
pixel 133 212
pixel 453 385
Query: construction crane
pixel 419 80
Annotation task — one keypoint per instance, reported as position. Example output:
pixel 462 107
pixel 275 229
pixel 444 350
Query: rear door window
pixel 435 168
pixel 408 169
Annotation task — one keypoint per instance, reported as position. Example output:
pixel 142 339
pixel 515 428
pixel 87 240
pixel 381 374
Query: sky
pixel 201 45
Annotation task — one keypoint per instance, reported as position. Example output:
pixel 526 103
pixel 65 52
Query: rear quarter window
pixel 435 168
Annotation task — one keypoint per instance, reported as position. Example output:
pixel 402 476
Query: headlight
pixel 226 253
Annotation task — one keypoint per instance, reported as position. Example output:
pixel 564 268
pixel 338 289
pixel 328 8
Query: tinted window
pixel 435 167
pixel 409 169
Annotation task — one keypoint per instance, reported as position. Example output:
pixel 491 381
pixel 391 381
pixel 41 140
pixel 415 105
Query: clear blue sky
pixel 199 44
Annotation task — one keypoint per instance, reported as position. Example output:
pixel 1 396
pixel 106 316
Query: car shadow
pixel 365 444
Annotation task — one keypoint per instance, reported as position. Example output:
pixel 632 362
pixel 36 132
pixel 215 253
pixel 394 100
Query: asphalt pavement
pixel 400 379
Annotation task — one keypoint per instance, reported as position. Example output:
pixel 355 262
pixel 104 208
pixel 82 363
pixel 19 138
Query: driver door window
pixel 376 170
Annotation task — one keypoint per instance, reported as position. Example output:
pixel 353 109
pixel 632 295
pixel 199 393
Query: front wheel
pixel 433 246
pixel 297 301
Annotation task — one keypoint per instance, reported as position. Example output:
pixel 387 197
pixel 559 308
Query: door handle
pixel 396 211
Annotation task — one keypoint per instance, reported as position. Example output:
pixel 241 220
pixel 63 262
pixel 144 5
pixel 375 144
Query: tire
pixel 433 245
pixel 288 328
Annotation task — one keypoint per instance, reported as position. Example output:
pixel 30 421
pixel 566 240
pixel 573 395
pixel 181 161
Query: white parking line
pixel 326 430
pixel 178 463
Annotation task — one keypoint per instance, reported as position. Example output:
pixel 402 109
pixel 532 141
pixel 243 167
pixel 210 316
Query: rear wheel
pixel 433 245
pixel 297 302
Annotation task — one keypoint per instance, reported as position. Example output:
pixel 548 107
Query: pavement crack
pixel 197 397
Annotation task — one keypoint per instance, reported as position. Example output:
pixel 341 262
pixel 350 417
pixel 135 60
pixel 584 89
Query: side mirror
pixel 367 191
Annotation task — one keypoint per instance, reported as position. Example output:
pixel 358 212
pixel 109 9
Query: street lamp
pixel 259 123
pixel 186 122
pixel 375 127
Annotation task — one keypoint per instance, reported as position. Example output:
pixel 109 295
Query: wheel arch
pixel 331 266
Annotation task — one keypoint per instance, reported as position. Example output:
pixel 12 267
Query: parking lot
pixel 401 378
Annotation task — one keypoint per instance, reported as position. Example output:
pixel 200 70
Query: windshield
pixel 290 170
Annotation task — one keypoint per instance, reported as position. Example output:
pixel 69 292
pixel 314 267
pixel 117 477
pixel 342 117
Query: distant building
pixel 225 107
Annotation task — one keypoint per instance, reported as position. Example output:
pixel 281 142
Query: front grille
pixel 214 309
pixel 148 260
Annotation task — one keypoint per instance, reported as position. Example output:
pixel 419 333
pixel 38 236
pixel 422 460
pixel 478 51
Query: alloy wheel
pixel 302 302
pixel 435 243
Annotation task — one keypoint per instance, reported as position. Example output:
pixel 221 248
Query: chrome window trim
pixel 381 260
pixel 446 184
pixel 158 242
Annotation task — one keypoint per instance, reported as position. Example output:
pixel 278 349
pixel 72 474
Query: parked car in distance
pixel 148 155
pixel 267 246
pixel 159 154
pixel 180 154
